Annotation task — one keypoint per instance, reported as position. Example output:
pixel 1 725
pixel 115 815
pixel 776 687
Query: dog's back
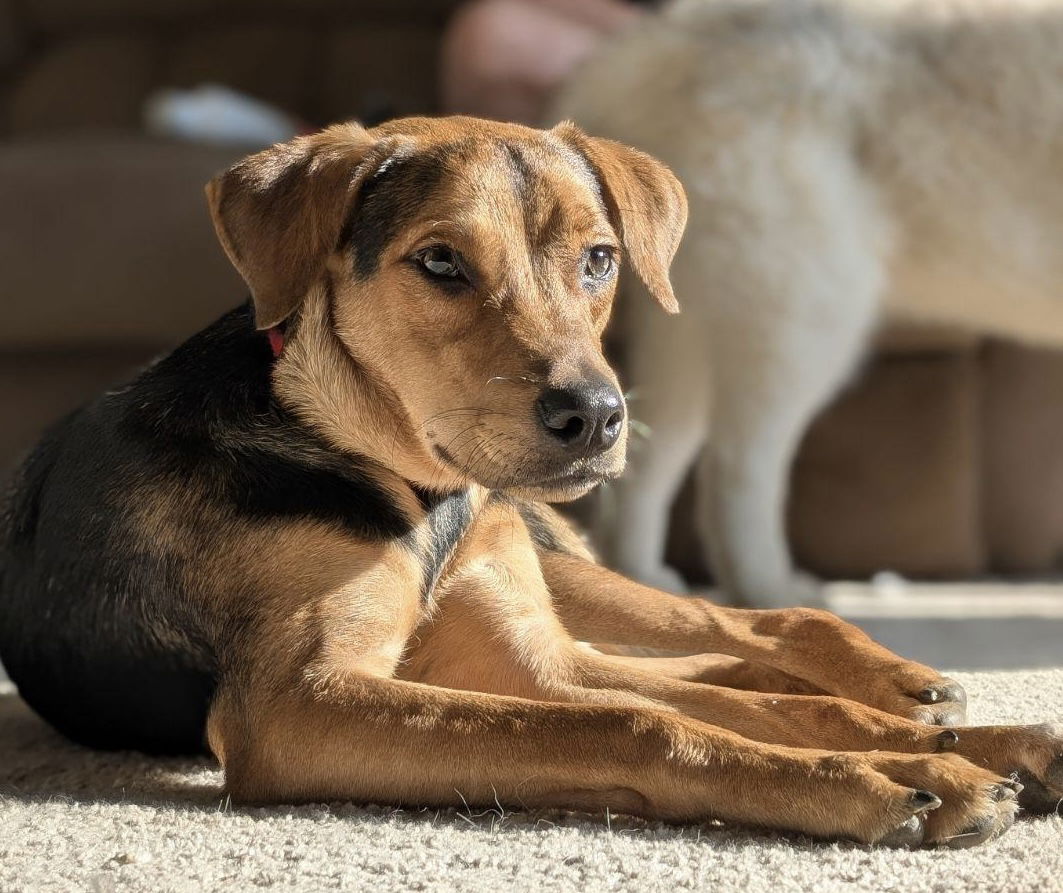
pixel 949 111
pixel 86 632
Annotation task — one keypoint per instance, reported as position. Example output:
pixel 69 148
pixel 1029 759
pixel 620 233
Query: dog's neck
pixel 315 377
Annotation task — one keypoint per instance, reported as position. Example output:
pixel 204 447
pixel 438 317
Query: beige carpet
pixel 71 819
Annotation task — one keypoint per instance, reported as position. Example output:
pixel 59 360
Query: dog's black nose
pixel 587 416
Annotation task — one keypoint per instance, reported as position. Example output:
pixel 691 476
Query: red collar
pixel 276 340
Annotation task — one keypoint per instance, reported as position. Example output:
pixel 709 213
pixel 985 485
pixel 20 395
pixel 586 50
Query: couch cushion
pixel 59 15
pixel 1022 449
pixel 924 338
pixel 386 71
pixel 889 478
pixel 109 241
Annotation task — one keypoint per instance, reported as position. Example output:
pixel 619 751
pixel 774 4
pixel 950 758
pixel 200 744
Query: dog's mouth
pixel 575 478
pixel 531 477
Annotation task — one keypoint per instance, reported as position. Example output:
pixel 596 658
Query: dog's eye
pixel 600 262
pixel 440 261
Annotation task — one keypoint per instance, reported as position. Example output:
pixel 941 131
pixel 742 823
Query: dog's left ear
pixel 279 214
pixel 646 205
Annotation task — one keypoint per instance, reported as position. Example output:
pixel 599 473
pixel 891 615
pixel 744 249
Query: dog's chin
pixel 540 482
pixel 563 486
pixel 558 491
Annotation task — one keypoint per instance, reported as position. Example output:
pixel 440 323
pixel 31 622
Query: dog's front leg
pixel 1032 754
pixel 811 644
pixel 388 741
pixel 598 605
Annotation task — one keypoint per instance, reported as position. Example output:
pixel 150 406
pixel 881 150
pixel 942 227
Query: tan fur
pixel 341 680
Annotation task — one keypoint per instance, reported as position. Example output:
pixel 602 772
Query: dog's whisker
pixel 526 379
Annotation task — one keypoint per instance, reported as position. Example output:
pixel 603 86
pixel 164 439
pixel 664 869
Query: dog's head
pixel 468 268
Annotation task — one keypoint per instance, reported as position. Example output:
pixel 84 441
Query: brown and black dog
pixel 315 536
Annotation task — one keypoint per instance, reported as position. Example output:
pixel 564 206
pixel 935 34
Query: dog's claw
pixel 946 704
pixel 948 740
pixel 1013 784
pixel 946 690
pixel 923 801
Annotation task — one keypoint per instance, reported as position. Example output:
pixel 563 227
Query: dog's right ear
pixel 279 213
pixel 645 201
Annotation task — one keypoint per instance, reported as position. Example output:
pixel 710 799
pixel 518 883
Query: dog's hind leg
pixel 716 669
pixel 791 293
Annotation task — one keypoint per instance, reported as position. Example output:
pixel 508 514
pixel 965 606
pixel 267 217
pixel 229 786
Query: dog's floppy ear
pixel 646 205
pixel 279 213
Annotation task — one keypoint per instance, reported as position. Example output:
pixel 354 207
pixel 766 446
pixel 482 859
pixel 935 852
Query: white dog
pixel 847 161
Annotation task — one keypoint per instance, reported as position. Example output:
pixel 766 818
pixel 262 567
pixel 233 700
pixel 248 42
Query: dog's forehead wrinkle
pixel 521 169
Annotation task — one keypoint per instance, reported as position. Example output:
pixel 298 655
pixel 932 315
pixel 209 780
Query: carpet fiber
pixel 71 819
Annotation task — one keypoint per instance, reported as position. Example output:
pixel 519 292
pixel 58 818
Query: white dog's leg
pixel 761 409
pixel 666 366
pixel 791 295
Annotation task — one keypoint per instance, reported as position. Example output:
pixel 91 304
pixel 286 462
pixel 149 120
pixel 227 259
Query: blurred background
pixel 942 464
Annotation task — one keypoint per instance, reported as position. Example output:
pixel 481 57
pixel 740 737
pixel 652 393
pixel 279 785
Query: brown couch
pixel 943 460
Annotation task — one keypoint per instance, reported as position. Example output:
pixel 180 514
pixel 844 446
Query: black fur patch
pixel 539 528
pixel 215 417
pixel 449 516
pixel 97 627
pixel 520 168
pixel 387 202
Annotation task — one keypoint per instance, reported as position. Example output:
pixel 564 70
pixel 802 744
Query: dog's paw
pixel 962 804
pixel 942 702
pixel 1033 755
pixel 921 695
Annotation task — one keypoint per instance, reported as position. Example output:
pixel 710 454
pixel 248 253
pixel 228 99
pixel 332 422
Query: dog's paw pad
pixel 1042 797
pixel 908 836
